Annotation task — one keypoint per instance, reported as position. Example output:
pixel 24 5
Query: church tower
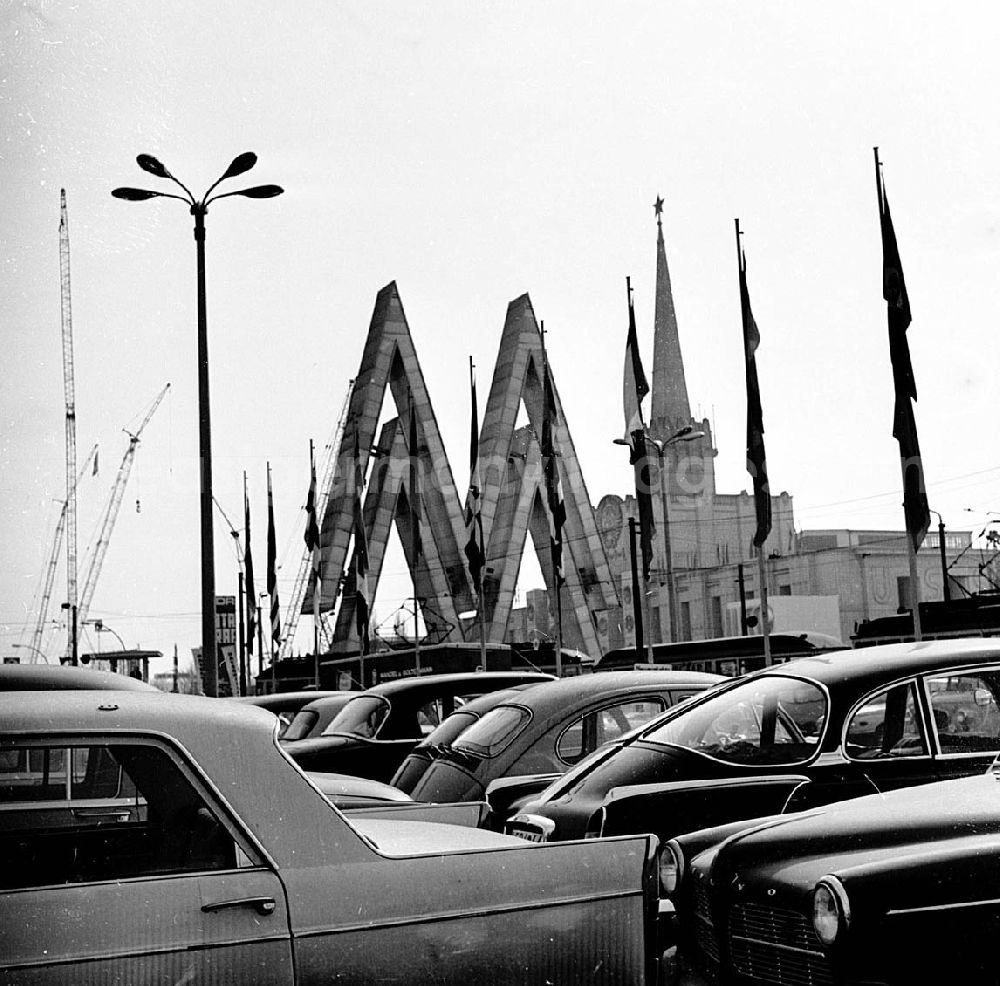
pixel 690 464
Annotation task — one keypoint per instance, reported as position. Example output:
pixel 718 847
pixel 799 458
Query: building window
pixel 685 621
pixel 903 592
pixel 715 615
pixel 784 590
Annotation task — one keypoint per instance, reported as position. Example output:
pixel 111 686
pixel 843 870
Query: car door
pixel 160 885
pixel 965 718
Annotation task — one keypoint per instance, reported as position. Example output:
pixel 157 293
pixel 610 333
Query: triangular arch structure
pixel 513 500
pixel 390 359
pixel 513 493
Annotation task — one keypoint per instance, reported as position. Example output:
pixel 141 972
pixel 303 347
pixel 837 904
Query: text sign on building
pixel 225 643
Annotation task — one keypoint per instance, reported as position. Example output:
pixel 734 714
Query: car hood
pixel 397 837
pixel 856 836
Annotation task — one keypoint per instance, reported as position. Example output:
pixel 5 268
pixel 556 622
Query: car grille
pixel 773 945
pixel 704 933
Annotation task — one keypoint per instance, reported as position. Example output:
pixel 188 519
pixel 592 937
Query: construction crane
pixel 305 568
pixel 50 568
pixel 70 389
pixel 111 512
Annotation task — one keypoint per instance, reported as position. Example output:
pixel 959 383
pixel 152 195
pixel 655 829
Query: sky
pixel 471 153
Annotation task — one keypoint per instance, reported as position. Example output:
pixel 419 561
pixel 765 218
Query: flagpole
pixel 914 581
pixel 316 586
pixel 636 606
pixel 555 545
pixel 765 623
pixel 414 528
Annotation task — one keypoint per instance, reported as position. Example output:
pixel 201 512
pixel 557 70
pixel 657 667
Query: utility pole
pixel 743 600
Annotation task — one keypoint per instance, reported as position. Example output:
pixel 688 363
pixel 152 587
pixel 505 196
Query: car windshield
pixel 494 732
pixel 362 716
pixel 772 719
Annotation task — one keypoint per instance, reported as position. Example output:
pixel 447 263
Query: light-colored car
pixel 152 841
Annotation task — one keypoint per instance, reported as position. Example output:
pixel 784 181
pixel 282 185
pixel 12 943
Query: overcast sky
pixel 473 152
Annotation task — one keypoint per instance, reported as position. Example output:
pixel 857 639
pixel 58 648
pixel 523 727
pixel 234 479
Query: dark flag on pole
pixel 272 569
pixel 553 487
pixel 248 563
pixel 634 388
pixel 362 602
pixel 475 548
pixel 904 425
pixel 413 452
pixel 312 534
pixel 756 460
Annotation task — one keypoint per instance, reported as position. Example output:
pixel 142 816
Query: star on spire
pixel 658 209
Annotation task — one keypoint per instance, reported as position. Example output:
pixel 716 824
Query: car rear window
pixel 494 732
pixel 301 725
pixel 772 719
pixel 362 716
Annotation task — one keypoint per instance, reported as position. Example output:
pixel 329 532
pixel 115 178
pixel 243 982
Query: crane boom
pixel 70 392
pixel 305 567
pixel 111 512
pixel 50 569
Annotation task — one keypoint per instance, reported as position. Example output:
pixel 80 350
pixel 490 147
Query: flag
pixel 553 487
pixel 312 534
pixel 414 497
pixel 635 386
pixel 904 426
pixel 475 548
pixel 756 460
pixel 362 602
pixel 251 592
pixel 272 569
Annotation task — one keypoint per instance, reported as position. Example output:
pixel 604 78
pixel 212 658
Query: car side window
pixel 965 711
pixel 887 725
pixel 88 812
pixel 601 726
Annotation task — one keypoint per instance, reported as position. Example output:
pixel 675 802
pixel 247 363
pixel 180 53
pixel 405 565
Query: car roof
pixel 555 695
pixel 49 677
pixel 285 701
pixel 865 665
pixel 455 681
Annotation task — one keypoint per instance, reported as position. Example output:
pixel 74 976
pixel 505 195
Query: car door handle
pixel 262 905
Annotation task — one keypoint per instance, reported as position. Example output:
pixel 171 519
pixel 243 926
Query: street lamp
pixel 101 627
pixel 199 208
pixel 944 560
pixel 33 649
pixel 74 633
pixel 685 434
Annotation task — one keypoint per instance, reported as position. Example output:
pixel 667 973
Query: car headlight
pixel 831 910
pixel 671 868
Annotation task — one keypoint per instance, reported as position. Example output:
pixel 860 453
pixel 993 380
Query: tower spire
pixel 670 409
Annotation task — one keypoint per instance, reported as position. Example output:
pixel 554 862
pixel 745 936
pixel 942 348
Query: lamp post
pixel 944 559
pixel 33 649
pixel 685 434
pixel 101 627
pixel 74 636
pixel 199 209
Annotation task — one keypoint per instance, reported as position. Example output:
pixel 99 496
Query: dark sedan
pixel 538 734
pixel 791 737
pixel 377 728
pixel 894 889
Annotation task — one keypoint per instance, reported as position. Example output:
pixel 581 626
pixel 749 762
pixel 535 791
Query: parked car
pixel 416 762
pixel 377 728
pixel 796 735
pixel 892 889
pixel 313 717
pixel 548 728
pixel 285 705
pixel 46 677
pixel 163 841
